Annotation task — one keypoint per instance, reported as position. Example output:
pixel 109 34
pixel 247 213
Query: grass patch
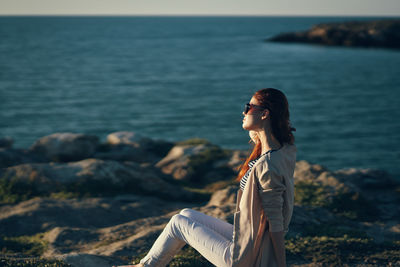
pixel 351 205
pixel 310 194
pixel 331 230
pixel 200 165
pixel 325 250
pixel 187 257
pixel 27 245
pixel 13 190
pixel 193 142
pixel 31 262
pixel 213 187
pixel 336 251
pixel 64 195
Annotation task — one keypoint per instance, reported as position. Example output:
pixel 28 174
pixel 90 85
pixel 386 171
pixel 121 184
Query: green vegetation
pixel 194 141
pixel 326 250
pixel 27 245
pixel 310 194
pixel 351 205
pixel 219 185
pixel 187 257
pixel 331 230
pixel 13 190
pixel 31 262
pixel 25 251
pixel 200 165
pixel 336 251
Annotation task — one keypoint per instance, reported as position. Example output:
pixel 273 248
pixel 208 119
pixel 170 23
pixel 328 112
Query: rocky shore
pixel 70 200
pixel 377 33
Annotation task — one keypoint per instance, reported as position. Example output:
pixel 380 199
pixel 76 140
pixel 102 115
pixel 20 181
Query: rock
pixel 305 171
pixel 177 160
pixel 376 186
pixel 69 221
pixel 94 177
pixel 224 196
pixel 132 238
pixel 377 33
pixel 123 152
pixel 147 145
pixel 66 146
pixel 6 142
pixel 375 190
pixel 129 138
pixel 129 146
pixel 11 157
pixel 368 179
pixel 197 163
pixel 237 159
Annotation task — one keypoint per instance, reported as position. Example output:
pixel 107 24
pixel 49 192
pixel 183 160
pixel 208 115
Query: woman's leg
pixel 182 230
pixel 218 225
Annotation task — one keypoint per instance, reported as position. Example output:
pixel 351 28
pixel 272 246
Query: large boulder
pixel 130 146
pixel 68 221
pixel 91 177
pixel 66 147
pixel 222 204
pixel 198 163
pixel 367 193
pixel 15 156
pixel 226 196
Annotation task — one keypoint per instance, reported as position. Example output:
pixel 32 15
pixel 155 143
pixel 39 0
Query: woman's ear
pixel 265 114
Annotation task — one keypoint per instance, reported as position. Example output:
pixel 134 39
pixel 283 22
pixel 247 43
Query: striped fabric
pixel 251 164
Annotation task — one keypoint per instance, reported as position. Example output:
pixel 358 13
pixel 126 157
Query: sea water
pixel 176 78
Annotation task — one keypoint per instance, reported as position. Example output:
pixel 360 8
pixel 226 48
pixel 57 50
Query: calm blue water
pixel 175 78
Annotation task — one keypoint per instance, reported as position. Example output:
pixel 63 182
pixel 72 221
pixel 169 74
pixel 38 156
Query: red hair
pixel 275 101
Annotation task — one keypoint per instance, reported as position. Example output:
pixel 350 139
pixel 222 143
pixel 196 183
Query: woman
pixel 264 202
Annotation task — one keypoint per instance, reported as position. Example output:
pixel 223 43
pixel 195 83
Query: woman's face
pixel 253 121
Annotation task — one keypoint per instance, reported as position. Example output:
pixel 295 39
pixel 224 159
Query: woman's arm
pixel 278 241
pixel 272 188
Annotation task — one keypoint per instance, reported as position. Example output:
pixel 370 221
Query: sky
pixel 202 7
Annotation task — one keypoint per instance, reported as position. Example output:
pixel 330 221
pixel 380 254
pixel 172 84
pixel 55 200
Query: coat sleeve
pixel 271 193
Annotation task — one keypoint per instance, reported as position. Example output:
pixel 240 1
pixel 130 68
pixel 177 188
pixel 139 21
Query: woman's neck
pixel 268 142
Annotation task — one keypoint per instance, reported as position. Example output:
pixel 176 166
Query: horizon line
pixel 197 15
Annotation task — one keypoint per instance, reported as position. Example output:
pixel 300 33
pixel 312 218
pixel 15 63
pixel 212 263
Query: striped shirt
pixel 251 164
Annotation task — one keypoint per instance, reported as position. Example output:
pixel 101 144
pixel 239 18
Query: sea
pixel 180 77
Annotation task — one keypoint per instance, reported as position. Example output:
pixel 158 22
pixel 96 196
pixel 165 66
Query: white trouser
pixel 210 236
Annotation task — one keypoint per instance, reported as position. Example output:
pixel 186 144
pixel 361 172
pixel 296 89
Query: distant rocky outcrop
pixel 377 33
pixel 110 208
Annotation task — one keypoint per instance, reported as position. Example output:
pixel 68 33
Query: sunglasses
pixel 249 106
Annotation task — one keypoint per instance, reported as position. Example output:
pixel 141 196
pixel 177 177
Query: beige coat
pixel 265 205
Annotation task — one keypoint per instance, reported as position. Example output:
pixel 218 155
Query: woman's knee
pixel 186 212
